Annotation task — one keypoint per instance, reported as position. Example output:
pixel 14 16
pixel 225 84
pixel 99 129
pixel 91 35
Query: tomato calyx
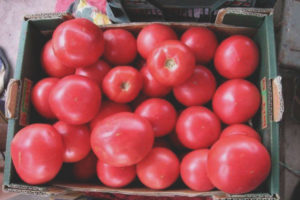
pixel 171 64
pixel 125 86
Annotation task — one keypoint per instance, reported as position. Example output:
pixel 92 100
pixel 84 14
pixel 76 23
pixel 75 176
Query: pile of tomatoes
pixel 157 119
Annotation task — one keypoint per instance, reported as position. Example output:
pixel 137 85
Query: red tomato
pixel 52 65
pixel 236 101
pixel 120 46
pixel 85 169
pixel 198 127
pixel 238 164
pixel 76 139
pixel 159 170
pixel 122 84
pixel 160 113
pixel 78 42
pixel 193 171
pixel 75 99
pixel 240 129
pixel 202 42
pixel 37 153
pixel 40 95
pixel 122 139
pixel 96 71
pixel 236 57
pixel 198 89
pixel 152 87
pixel 151 36
pixel 115 177
pixel 171 63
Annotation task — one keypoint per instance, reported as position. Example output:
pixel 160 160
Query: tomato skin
pixel 115 177
pixel 236 101
pixel 120 46
pixel 151 36
pixel 240 129
pixel 78 42
pixel 236 57
pixel 75 99
pixel 122 84
pixel 171 63
pixel 159 170
pixel 40 95
pixel 193 171
pixel 51 64
pixel 198 127
pixel 37 153
pixel 202 42
pixel 247 164
pixel 198 89
pixel 160 113
pixel 122 139
pixel 85 169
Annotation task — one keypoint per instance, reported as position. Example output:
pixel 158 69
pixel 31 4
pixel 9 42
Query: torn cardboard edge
pixel 11 98
pixel 278 104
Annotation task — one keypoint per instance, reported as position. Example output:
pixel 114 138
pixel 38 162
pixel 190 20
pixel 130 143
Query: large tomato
pixel 122 139
pixel 202 42
pixel 236 57
pixel 78 42
pixel 198 89
pixel 171 63
pixel 198 127
pixel 75 99
pixel 240 129
pixel 37 153
pixel 236 101
pixel 238 164
pixel 151 36
pixel 85 169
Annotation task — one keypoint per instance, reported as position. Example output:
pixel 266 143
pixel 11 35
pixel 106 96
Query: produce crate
pixel 36 30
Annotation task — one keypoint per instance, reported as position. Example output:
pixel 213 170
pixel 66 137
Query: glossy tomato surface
pixel 240 129
pixel 85 169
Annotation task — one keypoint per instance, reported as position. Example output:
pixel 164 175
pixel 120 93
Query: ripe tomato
pixel 96 71
pixel 51 64
pixel 236 57
pixel 120 46
pixel 122 139
pixel 171 63
pixel 151 36
pixel 75 99
pixel 240 129
pixel 115 177
pixel 193 171
pixel 198 127
pixel 198 89
pixel 160 113
pixel 202 42
pixel 236 101
pixel 78 42
pixel 85 169
pixel 238 164
pixel 122 84
pixel 37 153
pixel 159 170
pixel 40 95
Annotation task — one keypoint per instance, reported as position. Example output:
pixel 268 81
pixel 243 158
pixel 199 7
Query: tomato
pixel 198 89
pixel 238 164
pixel 159 170
pixel 122 84
pixel 198 127
pixel 236 101
pixel 151 36
pixel 115 177
pixel 40 95
pixel 240 129
pixel 122 139
pixel 51 64
pixel 171 63
pixel 75 99
pixel 78 42
pixel 193 171
pixel 37 153
pixel 236 57
pixel 160 113
pixel 96 71
pixel 120 46
pixel 85 169
pixel 202 41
